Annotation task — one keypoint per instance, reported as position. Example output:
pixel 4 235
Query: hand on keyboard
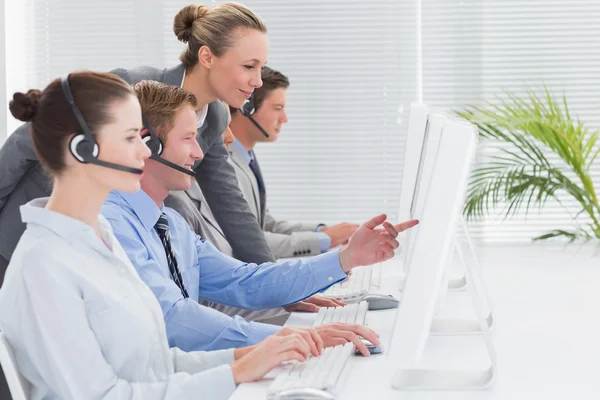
pixel 313 304
pixel 268 354
pixel 337 333
pixel 322 301
pixel 370 245
pixel 311 336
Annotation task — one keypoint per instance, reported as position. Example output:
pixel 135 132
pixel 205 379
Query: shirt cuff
pixel 257 332
pixel 225 356
pixel 198 361
pixel 224 384
pixel 326 268
pixel 324 241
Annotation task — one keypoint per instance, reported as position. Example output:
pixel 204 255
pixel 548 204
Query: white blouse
pixel 85 326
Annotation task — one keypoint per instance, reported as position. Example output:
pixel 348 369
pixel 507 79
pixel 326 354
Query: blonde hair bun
pixel 183 22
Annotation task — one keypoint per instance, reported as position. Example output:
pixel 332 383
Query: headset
pixel 156 147
pixel 248 110
pixel 83 145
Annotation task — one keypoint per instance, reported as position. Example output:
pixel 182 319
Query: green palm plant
pixel 522 174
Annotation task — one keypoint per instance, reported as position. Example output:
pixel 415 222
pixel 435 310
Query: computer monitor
pixel 422 173
pixel 442 201
pixel 422 156
pixel 417 127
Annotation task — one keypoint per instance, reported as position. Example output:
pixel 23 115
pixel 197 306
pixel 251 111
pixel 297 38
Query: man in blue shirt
pixel 180 268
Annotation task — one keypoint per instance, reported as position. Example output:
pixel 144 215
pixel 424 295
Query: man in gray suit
pixel 260 120
pixel 23 179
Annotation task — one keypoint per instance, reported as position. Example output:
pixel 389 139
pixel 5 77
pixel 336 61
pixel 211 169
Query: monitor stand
pixel 456 379
pixel 469 262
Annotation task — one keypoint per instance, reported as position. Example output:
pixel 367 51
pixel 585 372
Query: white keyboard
pixel 350 314
pixel 357 284
pixel 322 372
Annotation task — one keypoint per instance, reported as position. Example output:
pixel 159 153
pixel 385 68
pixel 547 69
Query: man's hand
pixel 370 244
pixel 339 233
pixel 313 303
pixel 338 333
pixel 332 335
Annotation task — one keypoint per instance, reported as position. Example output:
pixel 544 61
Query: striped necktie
pixel 162 228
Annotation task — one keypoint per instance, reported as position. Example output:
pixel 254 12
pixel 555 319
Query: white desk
pixel 547 332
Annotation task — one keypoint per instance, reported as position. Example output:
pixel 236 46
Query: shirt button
pixel 330 278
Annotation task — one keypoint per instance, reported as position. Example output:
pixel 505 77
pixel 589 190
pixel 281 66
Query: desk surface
pixel 546 304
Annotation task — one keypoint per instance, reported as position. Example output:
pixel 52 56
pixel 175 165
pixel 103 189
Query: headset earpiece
pixel 83 149
pixel 248 109
pixel 154 144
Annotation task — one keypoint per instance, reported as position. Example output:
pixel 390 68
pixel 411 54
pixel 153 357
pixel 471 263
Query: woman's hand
pixel 268 354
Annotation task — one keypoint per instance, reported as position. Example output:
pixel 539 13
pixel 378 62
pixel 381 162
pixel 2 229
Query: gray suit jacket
pixel 193 207
pixel 286 239
pixel 22 178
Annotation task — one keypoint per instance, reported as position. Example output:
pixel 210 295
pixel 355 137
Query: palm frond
pixel 513 183
pixel 572 236
pixel 523 175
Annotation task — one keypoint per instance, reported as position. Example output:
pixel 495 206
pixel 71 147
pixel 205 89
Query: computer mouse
pixel 371 347
pixel 380 301
pixel 304 394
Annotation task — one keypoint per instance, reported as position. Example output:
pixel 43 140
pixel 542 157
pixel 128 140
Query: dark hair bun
pixel 24 106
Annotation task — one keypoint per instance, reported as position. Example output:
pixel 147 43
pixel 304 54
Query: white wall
pixel 354 69
pixel 3 81
pixel 16 79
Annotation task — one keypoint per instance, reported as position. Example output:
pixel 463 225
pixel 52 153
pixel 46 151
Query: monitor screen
pixel 428 156
pixel 415 195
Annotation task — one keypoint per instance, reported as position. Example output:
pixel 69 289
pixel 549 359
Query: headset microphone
pixel 156 147
pixel 118 167
pixel 248 110
pixel 84 146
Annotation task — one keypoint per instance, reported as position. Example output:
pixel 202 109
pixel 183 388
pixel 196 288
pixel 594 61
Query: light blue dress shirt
pixel 210 275
pixel 324 239
pixel 83 325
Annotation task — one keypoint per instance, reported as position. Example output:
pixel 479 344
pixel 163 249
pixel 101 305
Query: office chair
pixel 19 387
